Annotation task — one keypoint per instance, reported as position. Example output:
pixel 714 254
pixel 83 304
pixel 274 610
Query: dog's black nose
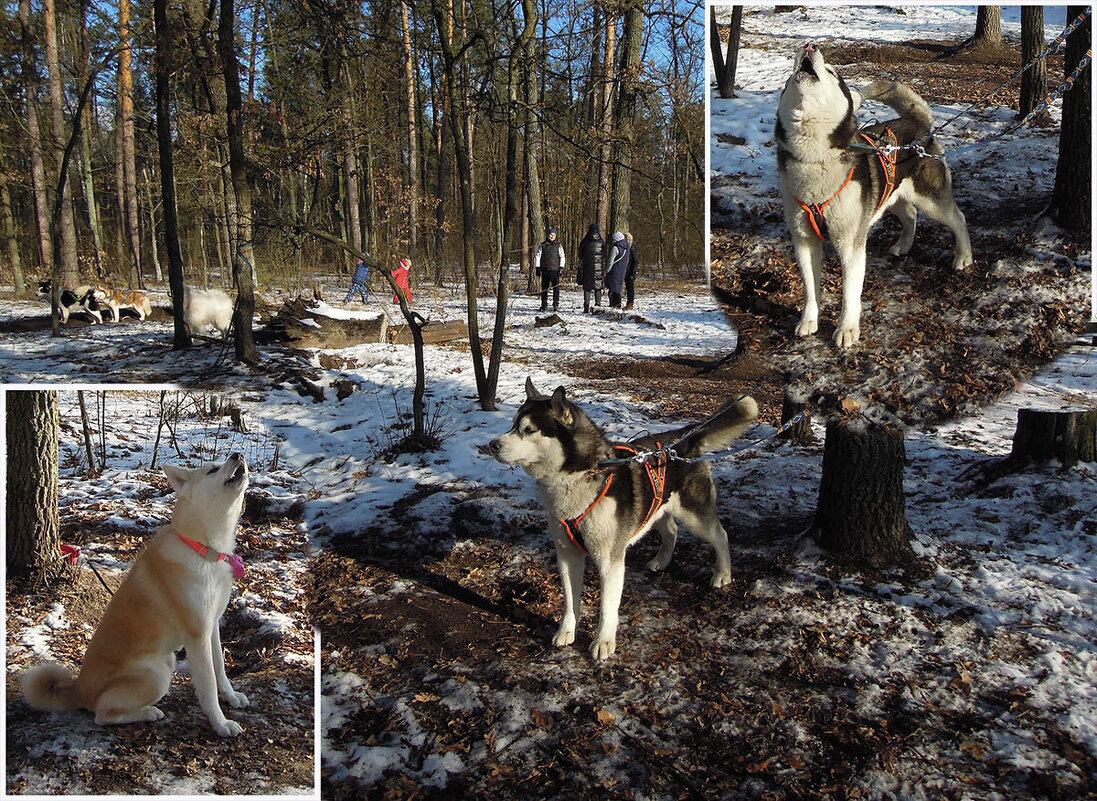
pixel 809 48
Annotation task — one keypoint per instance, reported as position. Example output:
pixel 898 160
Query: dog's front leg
pixel 202 673
pixel 809 256
pixel 611 570
pixel 852 255
pixel 570 561
pixel 224 688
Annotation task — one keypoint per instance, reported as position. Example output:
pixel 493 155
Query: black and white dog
pixel 833 186
pixel 600 510
pixel 81 299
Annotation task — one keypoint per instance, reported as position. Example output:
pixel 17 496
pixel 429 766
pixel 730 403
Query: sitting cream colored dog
pixel 173 597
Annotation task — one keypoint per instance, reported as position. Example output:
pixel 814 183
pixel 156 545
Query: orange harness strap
pixel 657 475
pixel 816 209
pixel 887 164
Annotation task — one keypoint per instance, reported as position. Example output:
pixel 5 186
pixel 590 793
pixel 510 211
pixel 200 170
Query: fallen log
pixel 300 323
pixel 434 332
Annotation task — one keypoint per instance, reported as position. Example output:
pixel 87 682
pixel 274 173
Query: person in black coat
pixel 592 265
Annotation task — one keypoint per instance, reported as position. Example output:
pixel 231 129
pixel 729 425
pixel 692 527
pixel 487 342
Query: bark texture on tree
pixel 861 515
pixel 413 135
pixel 1034 80
pixel 1070 437
pixel 181 338
pixel 241 223
pixel 40 190
pixel 800 432
pixel 1070 200
pixel 725 67
pixel 70 270
pixel 7 230
pixel 988 27
pixel 632 41
pixel 129 149
pixel 33 530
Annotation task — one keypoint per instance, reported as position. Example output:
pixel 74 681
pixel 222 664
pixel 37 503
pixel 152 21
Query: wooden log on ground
pixel 300 325
pixel 861 515
pixel 434 332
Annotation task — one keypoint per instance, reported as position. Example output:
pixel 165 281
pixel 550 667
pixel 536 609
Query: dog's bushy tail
pixel 721 431
pixel 50 686
pixel 904 100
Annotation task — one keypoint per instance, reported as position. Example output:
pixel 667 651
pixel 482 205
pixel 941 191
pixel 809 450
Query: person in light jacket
pixel 618 265
pixel 548 261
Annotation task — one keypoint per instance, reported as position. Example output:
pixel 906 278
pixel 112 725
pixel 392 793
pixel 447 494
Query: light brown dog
pixel 116 301
pixel 173 596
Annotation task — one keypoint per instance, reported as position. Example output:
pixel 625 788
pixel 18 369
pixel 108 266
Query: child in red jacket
pixel 402 275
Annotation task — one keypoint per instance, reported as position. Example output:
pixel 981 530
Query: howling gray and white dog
pixel 600 510
pixel 831 189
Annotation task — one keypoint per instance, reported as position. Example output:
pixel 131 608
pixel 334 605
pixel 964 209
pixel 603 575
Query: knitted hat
pixel 405 263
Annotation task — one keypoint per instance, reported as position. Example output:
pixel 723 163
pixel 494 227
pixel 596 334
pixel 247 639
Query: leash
pixel 918 145
pixel 657 475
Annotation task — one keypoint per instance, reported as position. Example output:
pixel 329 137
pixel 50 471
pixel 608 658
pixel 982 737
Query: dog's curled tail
pixel 722 430
pixel 906 102
pixel 50 686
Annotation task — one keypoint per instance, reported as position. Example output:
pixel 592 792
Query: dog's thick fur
pixel 555 442
pixel 171 598
pixel 82 299
pixel 203 308
pixel 816 124
pixel 117 301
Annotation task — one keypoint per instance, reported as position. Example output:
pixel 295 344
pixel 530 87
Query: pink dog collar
pixel 206 552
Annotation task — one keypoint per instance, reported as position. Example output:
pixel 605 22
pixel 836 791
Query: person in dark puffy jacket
pixel 359 283
pixel 618 261
pixel 548 262
pixel 591 265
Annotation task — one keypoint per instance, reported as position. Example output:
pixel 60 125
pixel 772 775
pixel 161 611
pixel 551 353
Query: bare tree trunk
pixel 350 155
pixel 129 154
pixel 1070 201
pixel 625 115
pixel 533 176
pixel 861 514
pixel 605 145
pixel 92 203
pixel 85 425
pixel 1034 80
pixel 7 230
pixel 70 269
pixel 33 538
pixel 241 226
pixel 28 47
pixel 413 137
pixel 443 18
pixel 988 27
pixel 164 37
pixel 725 67
pixel 154 245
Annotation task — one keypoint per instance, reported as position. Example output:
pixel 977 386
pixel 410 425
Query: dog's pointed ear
pixel 561 406
pixel 531 391
pixel 179 478
pixel 855 100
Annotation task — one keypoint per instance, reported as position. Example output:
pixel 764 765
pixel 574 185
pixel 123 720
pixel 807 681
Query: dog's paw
pixel 151 714
pixel 237 700
pixel 898 250
pixel 962 261
pixel 845 337
pixel 564 636
pixel 657 564
pixel 230 728
pixel 603 649
pixel 807 327
pixel 720 580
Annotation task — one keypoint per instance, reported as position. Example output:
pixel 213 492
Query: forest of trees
pixel 453 132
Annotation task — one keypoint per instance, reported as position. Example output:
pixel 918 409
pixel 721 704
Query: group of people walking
pixel 602 266
pixel 609 266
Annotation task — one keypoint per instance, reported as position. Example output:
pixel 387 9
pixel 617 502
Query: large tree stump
pixel 861 516
pixel 1069 436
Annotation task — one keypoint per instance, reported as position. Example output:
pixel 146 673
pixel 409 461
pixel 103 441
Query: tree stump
pixel 1069 436
pixel 861 516
pixel 800 433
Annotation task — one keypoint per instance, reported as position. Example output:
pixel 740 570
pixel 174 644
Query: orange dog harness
pixel 656 469
pixel 887 164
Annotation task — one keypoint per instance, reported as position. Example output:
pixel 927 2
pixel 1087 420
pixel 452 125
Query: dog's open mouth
pixel 239 474
pixel 808 67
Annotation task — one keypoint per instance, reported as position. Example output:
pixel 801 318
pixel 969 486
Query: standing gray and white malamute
pixel 600 511
pixel 830 188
